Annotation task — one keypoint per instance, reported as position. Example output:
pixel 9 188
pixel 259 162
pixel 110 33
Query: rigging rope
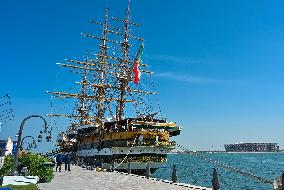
pixel 51 119
pixel 227 167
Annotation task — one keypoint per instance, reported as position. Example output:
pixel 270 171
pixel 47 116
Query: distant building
pixel 252 147
pixel 8 147
pixel 2 158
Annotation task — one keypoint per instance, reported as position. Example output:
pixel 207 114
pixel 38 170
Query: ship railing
pixel 142 159
pixel 155 143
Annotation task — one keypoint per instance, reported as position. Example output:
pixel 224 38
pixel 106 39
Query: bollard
pixel 174 174
pixel 277 183
pixel 148 171
pixel 112 166
pixel 282 183
pixel 215 181
pixel 129 168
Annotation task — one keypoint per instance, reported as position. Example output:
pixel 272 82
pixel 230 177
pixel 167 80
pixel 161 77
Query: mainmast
pixel 104 67
pixel 123 77
pixel 126 65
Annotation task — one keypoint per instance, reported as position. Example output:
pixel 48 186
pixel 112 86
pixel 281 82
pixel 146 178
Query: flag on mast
pixel 136 65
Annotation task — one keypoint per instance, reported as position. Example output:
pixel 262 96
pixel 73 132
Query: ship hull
pixel 122 158
pixel 138 168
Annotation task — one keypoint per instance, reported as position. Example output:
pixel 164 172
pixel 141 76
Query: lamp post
pixel 31 145
pixel 20 138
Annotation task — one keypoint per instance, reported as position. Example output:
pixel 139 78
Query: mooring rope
pixel 126 155
pixel 230 168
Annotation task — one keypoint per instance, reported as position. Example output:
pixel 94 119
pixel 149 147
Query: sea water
pixel 193 170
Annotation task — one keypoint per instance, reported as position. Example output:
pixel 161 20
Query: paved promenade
pixel 82 179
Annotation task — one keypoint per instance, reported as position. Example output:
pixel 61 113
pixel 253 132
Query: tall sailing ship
pixel 115 121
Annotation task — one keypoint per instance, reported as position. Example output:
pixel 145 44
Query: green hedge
pixel 34 163
pixel 8 166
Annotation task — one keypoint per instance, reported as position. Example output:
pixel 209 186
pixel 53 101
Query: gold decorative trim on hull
pixel 126 135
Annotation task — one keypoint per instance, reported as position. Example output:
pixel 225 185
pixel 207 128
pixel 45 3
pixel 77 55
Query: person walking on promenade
pixel 54 160
pixel 58 162
pixel 65 161
pixel 68 160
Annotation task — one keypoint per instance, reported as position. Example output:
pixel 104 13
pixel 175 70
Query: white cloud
pixel 173 59
pixel 194 79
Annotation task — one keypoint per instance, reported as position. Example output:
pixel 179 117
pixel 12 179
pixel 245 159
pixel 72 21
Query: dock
pixel 81 178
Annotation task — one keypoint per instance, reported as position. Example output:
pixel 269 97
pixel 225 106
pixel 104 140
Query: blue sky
pixel 219 65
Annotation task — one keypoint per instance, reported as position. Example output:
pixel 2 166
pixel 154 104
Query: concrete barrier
pixel 19 180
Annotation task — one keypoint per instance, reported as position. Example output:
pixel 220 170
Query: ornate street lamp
pixel 20 138
pixel 30 145
pixel 39 138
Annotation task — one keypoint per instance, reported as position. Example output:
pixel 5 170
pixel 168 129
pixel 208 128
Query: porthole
pixel 121 150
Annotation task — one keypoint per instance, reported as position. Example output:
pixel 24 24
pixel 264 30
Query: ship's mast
pixel 104 67
pixel 125 74
pixel 103 61
pixel 108 81
pixel 83 115
pixel 82 109
pixel 123 71
pixel 97 67
pixel 123 77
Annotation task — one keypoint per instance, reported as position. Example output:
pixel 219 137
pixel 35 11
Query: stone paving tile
pixel 82 179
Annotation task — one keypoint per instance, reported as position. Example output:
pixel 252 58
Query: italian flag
pixel 136 65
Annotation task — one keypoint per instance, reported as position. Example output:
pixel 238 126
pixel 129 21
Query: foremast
pixel 92 91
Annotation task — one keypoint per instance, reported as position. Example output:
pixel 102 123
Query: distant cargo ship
pixel 252 147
